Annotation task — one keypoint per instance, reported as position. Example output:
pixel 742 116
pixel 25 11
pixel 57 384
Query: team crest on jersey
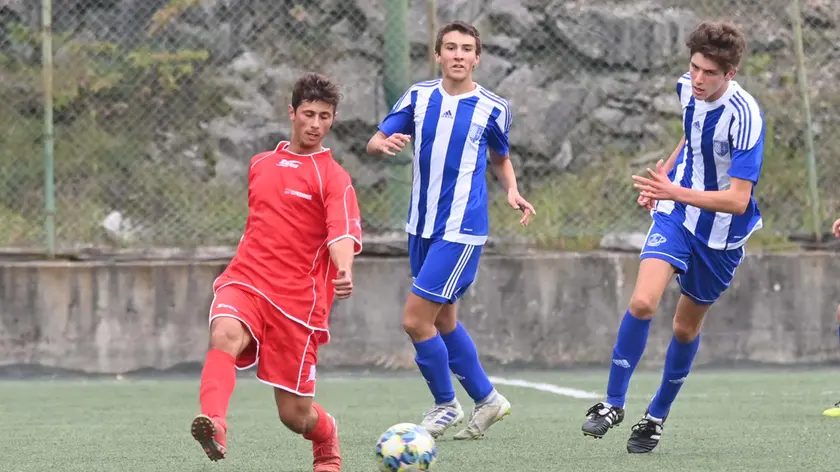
pixel 721 148
pixel 476 132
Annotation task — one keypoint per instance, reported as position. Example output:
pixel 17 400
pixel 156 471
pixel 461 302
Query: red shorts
pixel 284 350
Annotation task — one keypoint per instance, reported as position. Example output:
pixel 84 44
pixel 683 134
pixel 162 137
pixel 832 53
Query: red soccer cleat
pixel 211 436
pixel 327 454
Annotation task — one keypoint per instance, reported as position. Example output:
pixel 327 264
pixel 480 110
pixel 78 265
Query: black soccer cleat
pixel 645 434
pixel 600 418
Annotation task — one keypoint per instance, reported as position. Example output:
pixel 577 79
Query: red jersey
pixel 298 205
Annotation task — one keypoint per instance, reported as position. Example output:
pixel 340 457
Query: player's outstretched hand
pixel 658 186
pixel 836 228
pixel 343 284
pixel 518 203
pixel 394 144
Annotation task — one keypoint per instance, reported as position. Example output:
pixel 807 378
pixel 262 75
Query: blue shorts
pixel 703 273
pixel 442 270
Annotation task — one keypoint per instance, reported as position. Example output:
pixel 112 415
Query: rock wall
pixel 589 81
pixel 579 75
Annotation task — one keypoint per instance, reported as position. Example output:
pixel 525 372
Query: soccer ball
pixel 406 447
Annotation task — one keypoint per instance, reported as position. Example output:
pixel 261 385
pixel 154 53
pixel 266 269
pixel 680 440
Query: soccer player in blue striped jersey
pixel 456 125
pixel 703 213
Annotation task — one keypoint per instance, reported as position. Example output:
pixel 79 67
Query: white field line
pixel 546 387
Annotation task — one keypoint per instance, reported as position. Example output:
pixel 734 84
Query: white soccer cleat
pixel 442 417
pixel 485 415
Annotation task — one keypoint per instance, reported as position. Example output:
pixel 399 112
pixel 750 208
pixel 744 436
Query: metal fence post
pixel 49 135
pixel 802 81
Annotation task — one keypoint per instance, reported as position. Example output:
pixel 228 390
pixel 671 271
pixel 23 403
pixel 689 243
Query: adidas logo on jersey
pixel 447 114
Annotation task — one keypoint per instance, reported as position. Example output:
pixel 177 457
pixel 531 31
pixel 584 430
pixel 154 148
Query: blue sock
pixel 677 366
pixel 433 361
pixel 463 360
pixel 629 347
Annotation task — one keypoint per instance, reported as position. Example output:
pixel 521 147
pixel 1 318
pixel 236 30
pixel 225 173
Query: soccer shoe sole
pixel 203 430
pixel 594 434
pixel 466 434
pixel 832 412
pixel 641 446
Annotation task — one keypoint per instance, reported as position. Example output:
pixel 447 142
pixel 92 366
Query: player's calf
pixel 432 358
pixel 307 418
pixel 326 451
pixel 218 379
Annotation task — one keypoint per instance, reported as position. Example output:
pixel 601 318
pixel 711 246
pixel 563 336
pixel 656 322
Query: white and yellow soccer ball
pixel 406 447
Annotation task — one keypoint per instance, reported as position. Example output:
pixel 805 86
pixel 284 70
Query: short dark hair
pixel 314 87
pixel 461 27
pixel 720 41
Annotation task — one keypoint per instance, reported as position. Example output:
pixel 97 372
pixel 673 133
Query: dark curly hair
pixel 722 42
pixel 314 87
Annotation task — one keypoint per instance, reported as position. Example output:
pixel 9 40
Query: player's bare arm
pixel 381 144
pixel 733 200
pixel 342 254
pixel 503 169
pixel 836 228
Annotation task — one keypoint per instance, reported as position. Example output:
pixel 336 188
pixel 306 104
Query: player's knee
pixel 643 305
pixel 229 335
pixel 296 416
pixel 418 327
pixel 419 318
pixel 685 332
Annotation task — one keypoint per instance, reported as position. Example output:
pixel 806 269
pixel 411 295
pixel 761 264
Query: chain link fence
pixel 158 106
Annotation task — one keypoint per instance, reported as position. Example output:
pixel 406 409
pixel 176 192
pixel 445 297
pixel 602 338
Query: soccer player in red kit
pixel 272 302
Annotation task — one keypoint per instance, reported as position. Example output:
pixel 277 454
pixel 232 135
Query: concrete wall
pixel 546 310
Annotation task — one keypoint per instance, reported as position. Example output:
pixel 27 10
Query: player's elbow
pixel 739 203
pixel 498 159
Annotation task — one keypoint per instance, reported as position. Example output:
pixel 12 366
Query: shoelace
pixel 435 412
pixel 595 409
pixel 645 425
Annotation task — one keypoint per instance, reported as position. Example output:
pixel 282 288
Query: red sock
pixel 324 427
pixel 218 377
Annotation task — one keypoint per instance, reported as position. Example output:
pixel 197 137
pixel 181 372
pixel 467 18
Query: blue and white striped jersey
pixel 451 136
pixel 723 139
